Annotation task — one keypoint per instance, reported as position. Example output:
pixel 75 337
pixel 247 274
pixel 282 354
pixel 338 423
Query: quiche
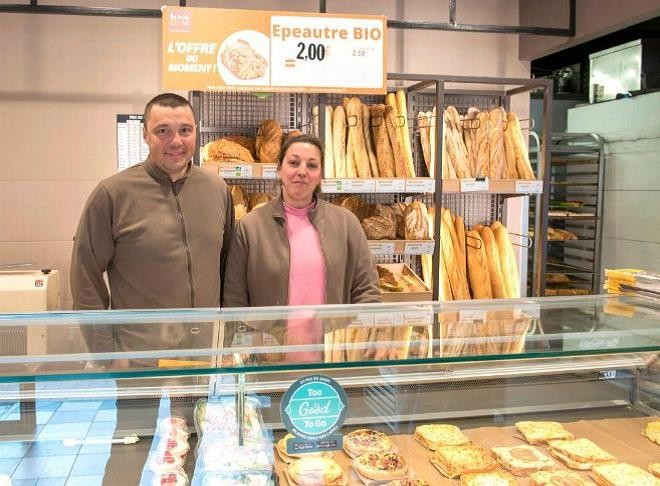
pixel 434 435
pixel 363 441
pixel 381 466
pixel 454 461
pixel 652 431
pixel 560 477
pixel 522 460
pixel 493 478
pixel 622 474
pixel 542 432
pixel 315 471
pixel 579 453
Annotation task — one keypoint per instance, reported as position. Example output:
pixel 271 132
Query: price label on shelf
pixel 381 247
pixel 390 185
pixel 269 171
pixel 529 187
pixel 363 319
pixel 363 185
pixel 388 318
pixel 474 185
pixel 418 248
pixel 418 318
pixel 421 185
pixel 471 315
pixel 335 186
pixel 236 171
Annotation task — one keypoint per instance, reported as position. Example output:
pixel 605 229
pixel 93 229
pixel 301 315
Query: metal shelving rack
pixel 221 114
pixel 576 187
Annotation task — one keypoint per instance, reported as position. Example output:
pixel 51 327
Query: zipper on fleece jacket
pixel 185 243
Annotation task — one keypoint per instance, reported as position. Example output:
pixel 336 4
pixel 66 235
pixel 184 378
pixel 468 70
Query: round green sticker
pixel 314 407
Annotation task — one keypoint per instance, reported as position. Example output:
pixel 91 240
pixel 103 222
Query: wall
pixel 64 79
pixel 631 130
pixel 593 18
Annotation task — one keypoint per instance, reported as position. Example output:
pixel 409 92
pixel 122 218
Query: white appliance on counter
pixel 27 291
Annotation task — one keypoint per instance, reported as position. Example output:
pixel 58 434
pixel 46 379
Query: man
pixel 159 229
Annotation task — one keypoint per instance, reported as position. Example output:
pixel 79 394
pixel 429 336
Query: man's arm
pixel 226 242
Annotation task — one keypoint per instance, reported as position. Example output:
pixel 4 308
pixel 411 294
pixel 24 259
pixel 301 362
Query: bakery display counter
pixel 199 398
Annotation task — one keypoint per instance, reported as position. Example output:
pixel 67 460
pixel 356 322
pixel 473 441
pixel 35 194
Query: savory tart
pixel 542 432
pixel 315 471
pixel 454 461
pixel 434 435
pixel 363 441
pixel 522 460
pixel 407 482
pixel 381 466
pixel 492 478
pixel 560 477
pixel 652 431
pixel 622 474
pixel 579 454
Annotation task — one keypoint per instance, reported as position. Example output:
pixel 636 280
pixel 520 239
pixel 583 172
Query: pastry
pixel 539 432
pixel 652 431
pixel 363 441
pixel 622 474
pixel 522 460
pixel 654 467
pixel 243 61
pixel 407 482
pixel 433 436
pixel 457 460
pixel 492 478
pixel 381 465
pixel 580 454
pixel 559 477
pixel 315 471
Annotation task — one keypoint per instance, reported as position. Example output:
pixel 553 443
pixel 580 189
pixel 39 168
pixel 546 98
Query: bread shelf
pixel 401 247
pixel 242 170
pixel 418 185
pixel 492 186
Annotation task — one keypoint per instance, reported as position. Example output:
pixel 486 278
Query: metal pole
pixel 437 256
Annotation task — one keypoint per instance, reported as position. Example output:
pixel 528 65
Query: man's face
pixel 170 135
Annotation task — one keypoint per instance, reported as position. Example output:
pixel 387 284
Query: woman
pixel 299 249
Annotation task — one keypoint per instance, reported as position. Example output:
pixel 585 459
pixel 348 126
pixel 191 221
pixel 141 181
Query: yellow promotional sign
pixel 251 50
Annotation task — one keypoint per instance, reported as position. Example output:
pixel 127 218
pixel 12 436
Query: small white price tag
pixel 388 318
pixel 363 185
pixel 473 185
pixel 529 187
pixel 335 186
pixel 420 185
pixel 471 315
pixel 236 171
pixel 269 171
pixel 391 185
pixel 418 248
pixel 381 247
pixel 363 319
pixel 418 318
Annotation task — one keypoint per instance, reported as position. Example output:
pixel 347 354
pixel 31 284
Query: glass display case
pixel 194 396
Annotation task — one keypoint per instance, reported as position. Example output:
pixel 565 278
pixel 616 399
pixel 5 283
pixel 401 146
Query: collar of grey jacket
pixel 316 214
pixel 161 176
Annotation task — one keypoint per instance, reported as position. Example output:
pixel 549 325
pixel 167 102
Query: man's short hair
pixel 170 100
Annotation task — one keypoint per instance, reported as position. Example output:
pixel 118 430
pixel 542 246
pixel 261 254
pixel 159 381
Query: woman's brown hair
pixel 305 138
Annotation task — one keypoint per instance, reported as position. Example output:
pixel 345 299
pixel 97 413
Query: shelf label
pixel 418 248
pixel 418 318
pixel 529 187
pixel 381 247
pixel 471 315
pixel 363 185
pixel 363 319
pixel 269 171
pixel 474 185
pixel 237 171
pixel 314 407
pixel 335 186
pixel 302 446
pixel 391 185
pixel 388 318
pixel 420 185
pixel 211 49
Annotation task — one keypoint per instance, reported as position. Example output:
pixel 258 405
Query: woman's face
pixel 300 173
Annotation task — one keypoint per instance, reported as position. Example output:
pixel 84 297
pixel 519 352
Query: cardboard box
pixel 402 269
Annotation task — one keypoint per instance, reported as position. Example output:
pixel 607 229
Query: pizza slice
pixel 493 478
pixel 381 466
pixel 536 432
pixel 652 431
pixel 315 471
pixel 456 460
pixel 622 474
pixel 560 477
pixel 579 454
pixel 434 435
pixel 363 441
pixel 522 460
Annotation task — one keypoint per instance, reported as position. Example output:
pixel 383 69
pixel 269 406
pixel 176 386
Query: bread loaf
pixel 470 127
pixel 356 144
pixel 244 141
pixel 366 131
pixel 315 120
pixel 269 141
pixel 448 170
pixel 399 213
pixel 457 272
pixel 451 276
pixel 225 150
pixel 379 228
pixel 392 121
pixel 427 260
pixel 239 199
pixel 456 146
pixel 381 139
pixel 258 199
pixel 404 129
pixel 477 266
pixel 432 141
pixel 339 141
pixel 497 285
pixel 356 206
pixel 483 148
pixel 328 145
pixel 510 170
pixel 523 166
pixel 416 221
pixel 507 260
pixel 424 125
pixel 459 227
pixel 386 212
pixel 497 158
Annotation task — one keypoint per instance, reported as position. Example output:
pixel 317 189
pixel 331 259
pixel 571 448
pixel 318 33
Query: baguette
pixel 456 147
pixel 477 266
pixel 432 142
pixel 470 138
pixel 328 162
pixel 405 132
pixel 366 133
pixel 497 159
pixel 459 227
pixel 510 170
pixel 448 170
pixel 339 141
pixel 315 120
pixel 358 148
pixel 451 252
pixel 423 122
pixel 523 166
pixel 392 120
pixel 483 151
pixel 384 155
pixel 494 267
pixel 507 260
